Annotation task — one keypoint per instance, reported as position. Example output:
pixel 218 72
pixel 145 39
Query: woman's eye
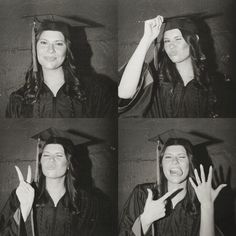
pixel 167 157
pixel 59 44
pixel 45 155
pixel 43 42
pixel 166 41
pixel 182 157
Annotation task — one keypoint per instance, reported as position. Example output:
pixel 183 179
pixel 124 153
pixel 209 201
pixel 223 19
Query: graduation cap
pixel 172 134
pixel 56 23
pixel 69 137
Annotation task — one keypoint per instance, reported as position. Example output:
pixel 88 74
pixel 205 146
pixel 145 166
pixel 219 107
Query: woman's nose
pixel 175 160
pixel 172 45
pixel 51 48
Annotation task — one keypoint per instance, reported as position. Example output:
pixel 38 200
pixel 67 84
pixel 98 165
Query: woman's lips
pixel 50 58
pixel 176 171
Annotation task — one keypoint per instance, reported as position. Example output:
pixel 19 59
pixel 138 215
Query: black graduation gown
pixel 177 222
pixel 101 102
pixel 55 221
pixel 160 99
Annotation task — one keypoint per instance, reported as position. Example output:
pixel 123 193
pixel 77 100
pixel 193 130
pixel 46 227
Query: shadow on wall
pixel 223 83
pixel 83 171
pixel 225 202
pixel 82 54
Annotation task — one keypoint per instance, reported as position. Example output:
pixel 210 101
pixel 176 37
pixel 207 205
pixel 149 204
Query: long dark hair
pixel 167 69
pixel 70 180
pixel 191 200
pixel 34 80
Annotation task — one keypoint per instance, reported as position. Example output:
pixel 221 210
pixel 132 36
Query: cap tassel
pixel 36 176
pixel 158 164
pixel 35 68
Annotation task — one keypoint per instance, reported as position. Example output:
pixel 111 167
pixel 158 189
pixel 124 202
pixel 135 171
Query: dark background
pixel 97 163
pixel 95 49
pixel 137 155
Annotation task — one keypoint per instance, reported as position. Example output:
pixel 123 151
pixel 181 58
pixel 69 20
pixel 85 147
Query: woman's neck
pixel 54 79
pixel 56 188
pixel 180 196
pixel 185 69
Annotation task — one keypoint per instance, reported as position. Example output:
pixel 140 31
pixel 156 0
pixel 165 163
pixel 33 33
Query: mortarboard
pixel 70 136
pixel 56 23
pixel 175 133
pixel 162 138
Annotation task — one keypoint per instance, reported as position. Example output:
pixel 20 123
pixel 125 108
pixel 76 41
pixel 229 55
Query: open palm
pixel 203 187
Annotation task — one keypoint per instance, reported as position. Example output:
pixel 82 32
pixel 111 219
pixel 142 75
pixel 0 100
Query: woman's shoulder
pixel 17 95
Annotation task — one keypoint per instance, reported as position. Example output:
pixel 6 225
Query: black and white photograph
pixel 58 177
pixel 177 177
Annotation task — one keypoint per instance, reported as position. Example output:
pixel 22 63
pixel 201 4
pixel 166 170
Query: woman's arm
pixel 206 196
pixel 131 75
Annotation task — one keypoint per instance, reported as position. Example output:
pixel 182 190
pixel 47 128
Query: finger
pixel 209 177
pixel 164 197
pixel 150 195
pixel 20 176
pixel 202 173
pixel 192 183
pixel 219 188
pixel 29 174
pixel 197 177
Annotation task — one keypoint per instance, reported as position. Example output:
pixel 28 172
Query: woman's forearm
pixel 130 78
pixel 207 220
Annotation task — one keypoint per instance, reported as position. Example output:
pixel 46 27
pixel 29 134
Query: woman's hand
pixel 25 193
pixel 203 189
pixel 152 28
pixel 154 209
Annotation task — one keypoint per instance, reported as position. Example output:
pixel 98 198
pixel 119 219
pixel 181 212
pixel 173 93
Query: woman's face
pixel 51 49
pixel 175 46
pixel 53 161
pixel 175 164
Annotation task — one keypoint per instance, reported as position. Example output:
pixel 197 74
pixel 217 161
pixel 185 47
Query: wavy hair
pixel 70 179
pixel 34 80
pixel 192 204
pixel 167 69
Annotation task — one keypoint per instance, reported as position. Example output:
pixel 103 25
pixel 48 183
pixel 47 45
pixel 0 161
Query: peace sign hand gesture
pixel 204 191
pixel 154 209
pixel 152 28
pixel 25 192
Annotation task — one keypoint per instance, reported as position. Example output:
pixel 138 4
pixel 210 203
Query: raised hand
pixel 203 189
pixel 152 28
pixel 25 192
pixel 154 209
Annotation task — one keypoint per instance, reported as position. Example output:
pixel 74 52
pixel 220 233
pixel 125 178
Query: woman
pixel 53 86
pixel 177 85
pixel 181 206
pixel 56 206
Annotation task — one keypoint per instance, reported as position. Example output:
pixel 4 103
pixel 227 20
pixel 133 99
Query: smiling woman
pixel 53 87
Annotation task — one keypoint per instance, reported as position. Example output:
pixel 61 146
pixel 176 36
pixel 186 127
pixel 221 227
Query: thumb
pixel 150 195
pixel 219 188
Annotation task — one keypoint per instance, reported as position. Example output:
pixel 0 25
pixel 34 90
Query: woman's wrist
pixel 207 206
pixel 144 223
